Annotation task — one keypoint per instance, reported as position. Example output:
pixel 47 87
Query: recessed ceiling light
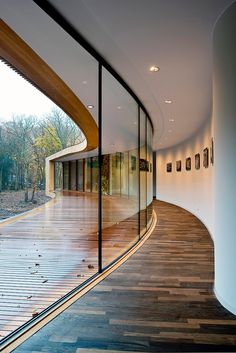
pixel 85 82
pixel 119 107
pixel 154 68
pixel 135 122
pixel 171 120
pixel 168 101
pixel 90 106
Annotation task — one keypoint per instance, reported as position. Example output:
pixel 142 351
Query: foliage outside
pixel 25 142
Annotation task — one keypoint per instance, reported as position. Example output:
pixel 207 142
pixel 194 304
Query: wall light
pixel 154 68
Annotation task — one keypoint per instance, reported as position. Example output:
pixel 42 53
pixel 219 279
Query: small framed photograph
pixel 143 165
pixel 205 158
pixel 169 167
pixel 197 161
pixel 188 163
pixel 178 166
pixel 212 152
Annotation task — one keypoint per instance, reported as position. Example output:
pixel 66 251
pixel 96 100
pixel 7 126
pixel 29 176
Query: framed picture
pixel 150 169
pixel 212 152
pixel 178 166
pixel 169 167
pixel 133 162
pixel 143 165
pixel 197 161
pixel 205 158
pixel 188 163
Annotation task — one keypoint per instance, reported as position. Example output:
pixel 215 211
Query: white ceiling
pixel 132 35
pixel 176 35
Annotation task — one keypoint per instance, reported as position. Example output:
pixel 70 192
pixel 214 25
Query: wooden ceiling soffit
pixel 24 60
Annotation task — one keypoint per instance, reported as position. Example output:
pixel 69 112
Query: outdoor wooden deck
pixel 45 255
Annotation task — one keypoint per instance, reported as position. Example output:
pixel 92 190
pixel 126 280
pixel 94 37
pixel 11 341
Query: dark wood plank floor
pixel 160 300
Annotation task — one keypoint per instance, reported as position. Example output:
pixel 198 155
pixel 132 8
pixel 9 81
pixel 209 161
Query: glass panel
pixel 32 130
pixel 58 176
pixel 73 175
pixel 124 171
pixel 120 201
pixel 143 173
pixel 95 170
pixel 134 183
pixel 149 174
pixel 115 174
pixel 65 175
pixel 80 174
pixel 87 173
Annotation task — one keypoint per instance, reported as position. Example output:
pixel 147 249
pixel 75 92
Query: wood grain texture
pixel 45 255
pixel 160 300
pixel 21 57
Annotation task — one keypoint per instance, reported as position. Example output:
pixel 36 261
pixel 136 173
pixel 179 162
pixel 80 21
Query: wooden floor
pixel 160 300
pixel 45 255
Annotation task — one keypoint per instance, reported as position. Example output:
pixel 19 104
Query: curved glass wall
pixel 149 173
pixel 106 196
pixel 119 138
pixel 143 165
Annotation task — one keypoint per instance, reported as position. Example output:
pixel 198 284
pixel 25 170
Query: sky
pixel 18 96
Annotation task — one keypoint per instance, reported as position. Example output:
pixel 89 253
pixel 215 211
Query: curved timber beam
pixel 24 60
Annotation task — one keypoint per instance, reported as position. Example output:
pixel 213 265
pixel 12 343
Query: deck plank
pixel 45 255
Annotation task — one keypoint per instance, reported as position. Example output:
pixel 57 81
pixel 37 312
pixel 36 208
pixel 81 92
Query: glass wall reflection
pixel 119 137
pixel 88 174
pixel 66 175
pixel 143 167
pixel 80 175
pixel 126 173
pixel 113 181
pixel 58 176
pixel 149 174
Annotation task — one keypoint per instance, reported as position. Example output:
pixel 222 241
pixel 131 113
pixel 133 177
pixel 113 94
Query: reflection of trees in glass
pixel 26 141
pixel 58 175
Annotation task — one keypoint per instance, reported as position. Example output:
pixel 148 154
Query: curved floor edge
pixel 226 305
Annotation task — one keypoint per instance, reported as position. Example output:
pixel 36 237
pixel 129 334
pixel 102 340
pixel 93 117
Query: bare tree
pixel 25 142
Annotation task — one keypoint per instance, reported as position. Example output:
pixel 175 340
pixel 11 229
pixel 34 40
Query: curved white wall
pixel 210 193
pixel 192 190
pixel 224 105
